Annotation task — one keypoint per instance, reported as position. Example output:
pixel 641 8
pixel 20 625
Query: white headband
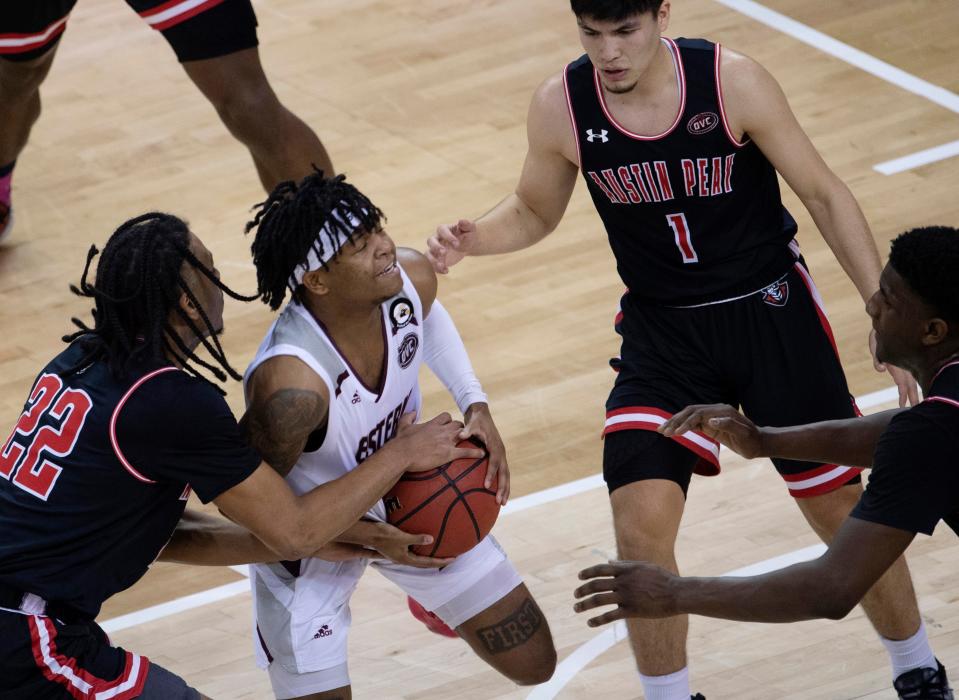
pixel 331 240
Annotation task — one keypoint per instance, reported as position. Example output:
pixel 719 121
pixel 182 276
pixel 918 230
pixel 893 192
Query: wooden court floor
pixel 423 105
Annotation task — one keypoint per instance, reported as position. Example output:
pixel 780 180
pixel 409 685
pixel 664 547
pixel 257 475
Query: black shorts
pixel 212 28
pixel 44 659
pixel 771 353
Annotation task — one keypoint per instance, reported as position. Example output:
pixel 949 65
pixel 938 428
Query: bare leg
pixel 344 693
pixel 646 515
pixel 890 604
pixel 283 147
pixel 20 101
pixel 513 637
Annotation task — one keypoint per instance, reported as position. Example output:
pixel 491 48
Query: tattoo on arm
pixel 514 630
pixel 279 427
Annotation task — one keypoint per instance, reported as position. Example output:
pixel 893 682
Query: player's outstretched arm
pixel 537 205
pixel 851 441
pixel 297 526
pixel 202 539
pixel 757 107
pixel 829 586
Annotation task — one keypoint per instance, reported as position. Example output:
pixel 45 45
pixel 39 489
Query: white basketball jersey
pixel 361 419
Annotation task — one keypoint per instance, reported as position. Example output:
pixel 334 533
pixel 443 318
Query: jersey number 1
pixel 34 472
pixel 677 222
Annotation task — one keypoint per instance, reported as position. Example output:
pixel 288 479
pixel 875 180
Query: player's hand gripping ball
pixel 449 502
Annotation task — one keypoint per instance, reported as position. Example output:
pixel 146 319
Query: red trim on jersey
pixel 572 117
pixel 949 364
pixel 116 413
pixel 817 301
pixel 722 107
pixel 650 418
pixel 78 682
pixel 943 399
pixel 841 477
pixel 177 11
pixel 681 77
pixel 21 43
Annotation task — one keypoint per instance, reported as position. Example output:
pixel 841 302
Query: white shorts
pixel 302 621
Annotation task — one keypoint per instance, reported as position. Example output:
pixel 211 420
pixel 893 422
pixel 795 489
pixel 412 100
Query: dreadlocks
pixel 316 215
pixel 139 281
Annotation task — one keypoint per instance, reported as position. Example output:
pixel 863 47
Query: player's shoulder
pixel 741 72
pixel 551 93
pixel 421 274
pixel 172 389
pixel 926 426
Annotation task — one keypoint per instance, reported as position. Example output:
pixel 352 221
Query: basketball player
pixel 116 432
pixel 914 482
pixel 679 143
pixel 335 371
pixel 214 40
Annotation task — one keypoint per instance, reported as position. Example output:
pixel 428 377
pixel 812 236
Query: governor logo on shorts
pixel 776 294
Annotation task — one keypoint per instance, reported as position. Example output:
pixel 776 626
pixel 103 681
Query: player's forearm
pixel 363 532
pixel 798 592
pixel 207 540
pixel 326 512
pixel 844 228
pixel 446 356
pixel 849 442
pixel 511 225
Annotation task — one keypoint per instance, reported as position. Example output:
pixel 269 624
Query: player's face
pixel 209 295
pixel 623 51
pixel 898 316
pixel 366 268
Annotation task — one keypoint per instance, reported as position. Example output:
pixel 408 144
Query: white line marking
pixel 867 63
pixel 173 607
pixel 916 160
pixel 584 654
pixel 844 52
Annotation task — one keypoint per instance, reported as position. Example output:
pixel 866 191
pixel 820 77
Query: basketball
pixel 449 502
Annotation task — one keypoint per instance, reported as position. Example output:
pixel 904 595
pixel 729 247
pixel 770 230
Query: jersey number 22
pixel 35 473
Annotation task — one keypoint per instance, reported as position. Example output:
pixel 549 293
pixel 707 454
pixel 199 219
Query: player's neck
pixel 927 374
pixel 346 320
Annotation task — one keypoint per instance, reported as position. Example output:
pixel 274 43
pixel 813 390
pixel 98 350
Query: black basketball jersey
pixel 692 214
pixel 97 471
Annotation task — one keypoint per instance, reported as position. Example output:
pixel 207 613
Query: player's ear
pixel 315 282
pixel 189 308
pixel 662 17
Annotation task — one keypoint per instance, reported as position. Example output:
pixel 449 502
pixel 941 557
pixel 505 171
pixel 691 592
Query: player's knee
pixel 21 81
pixel 828 511
pixel 536 670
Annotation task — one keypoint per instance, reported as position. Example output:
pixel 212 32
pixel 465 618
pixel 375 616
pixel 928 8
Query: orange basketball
pixel 449 502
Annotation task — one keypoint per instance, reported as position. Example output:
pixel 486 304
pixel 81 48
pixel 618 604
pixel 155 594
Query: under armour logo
pixel 602 135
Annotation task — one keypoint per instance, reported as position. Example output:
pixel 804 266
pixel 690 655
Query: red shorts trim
pixel 22 43
pixel 169 14
pixel 819 480
pixel 81 684
pixel 649 418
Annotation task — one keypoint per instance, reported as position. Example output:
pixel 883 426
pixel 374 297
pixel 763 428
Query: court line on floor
pixel 870 64
pixel 585 654
pixel 522 503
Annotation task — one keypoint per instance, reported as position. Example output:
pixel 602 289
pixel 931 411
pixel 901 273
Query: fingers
pixel 596 585
pixel 606 618
pixel 599 570
pixel 427 562
pixel 407 419
pixel 596 601
pixel 467 453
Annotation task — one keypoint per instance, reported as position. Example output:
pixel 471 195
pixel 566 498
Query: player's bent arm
pixel 297 526
pixel 851 441
pixel 830 586
pixel 546 183
pixel 757 107
pixel 201 539
pixel 287 402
